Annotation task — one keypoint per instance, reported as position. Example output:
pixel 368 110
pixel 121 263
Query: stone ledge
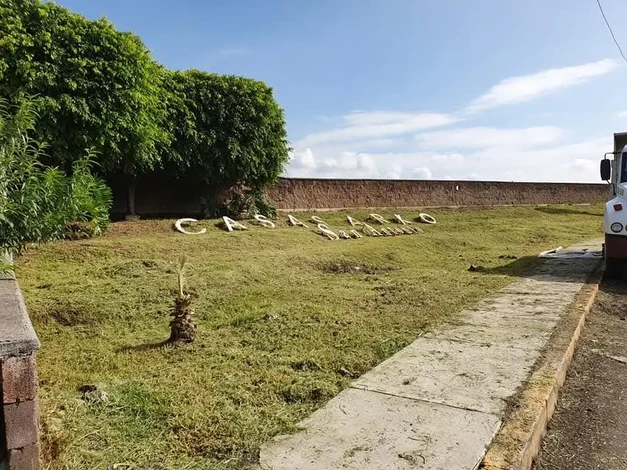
pixel 17 336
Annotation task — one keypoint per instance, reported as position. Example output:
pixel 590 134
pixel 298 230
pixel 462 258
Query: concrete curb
pixel 518 442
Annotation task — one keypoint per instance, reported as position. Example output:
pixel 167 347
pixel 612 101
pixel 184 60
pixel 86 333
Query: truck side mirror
pixel 606 169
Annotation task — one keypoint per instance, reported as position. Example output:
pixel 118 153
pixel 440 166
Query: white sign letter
pixel 401 220
pixel 378 218
pixel 356 234
pixel 294 221
pixel 318 220
pixel 368 230
pixel 179 226
pixel 353 222
pixel 263 220
pixel 232 225
pixel 324 229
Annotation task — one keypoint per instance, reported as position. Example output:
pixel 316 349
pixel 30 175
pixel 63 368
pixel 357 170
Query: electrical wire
pixel 611 32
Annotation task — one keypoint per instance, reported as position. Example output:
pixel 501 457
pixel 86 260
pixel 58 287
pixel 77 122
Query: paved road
pixel 589 428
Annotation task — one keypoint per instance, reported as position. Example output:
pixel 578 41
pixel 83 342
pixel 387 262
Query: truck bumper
pixel 615 247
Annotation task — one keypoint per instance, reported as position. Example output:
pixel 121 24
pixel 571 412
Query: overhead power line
pixel 611 32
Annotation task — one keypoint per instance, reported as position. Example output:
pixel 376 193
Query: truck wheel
pixel 614 268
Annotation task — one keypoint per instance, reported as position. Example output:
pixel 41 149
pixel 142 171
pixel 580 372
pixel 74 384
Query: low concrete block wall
pixel 297 193
pixel 19 412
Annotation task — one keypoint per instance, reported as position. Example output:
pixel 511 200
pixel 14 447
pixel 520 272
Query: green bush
pixel 39 203
pixel 238 202
pixel 88 200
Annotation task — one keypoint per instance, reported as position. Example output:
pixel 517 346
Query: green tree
pixel 227 130
pixel 98 87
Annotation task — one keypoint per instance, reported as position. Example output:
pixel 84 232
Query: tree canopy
pixel 228 129
pixel 99 88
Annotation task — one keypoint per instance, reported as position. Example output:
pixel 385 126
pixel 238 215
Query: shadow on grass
pixel 566 211
pixel 521 267
pixel 560 269
pixel 145 347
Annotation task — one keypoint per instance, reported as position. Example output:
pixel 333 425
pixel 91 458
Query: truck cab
pixel 615 218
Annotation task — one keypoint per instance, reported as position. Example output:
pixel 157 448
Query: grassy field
pixel 286 319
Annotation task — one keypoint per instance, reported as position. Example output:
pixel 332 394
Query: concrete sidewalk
pixel 438 403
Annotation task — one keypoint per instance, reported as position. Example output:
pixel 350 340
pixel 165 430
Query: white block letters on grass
pixel 263 220
pixel 368 230
pixel 400 220
pixel 330 234
pixel 357 228
pixel 353 222
pixel 379 219
pixel 232 224
pixel 179 226
pixel 295 222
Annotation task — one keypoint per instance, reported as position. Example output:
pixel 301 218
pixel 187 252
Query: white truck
pixel 614 171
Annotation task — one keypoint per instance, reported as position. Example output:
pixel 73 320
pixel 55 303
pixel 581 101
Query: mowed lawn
pixel 286 319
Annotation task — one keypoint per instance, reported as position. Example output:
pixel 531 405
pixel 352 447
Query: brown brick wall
pixel 159 196
pixel 291 194
pixel 20 412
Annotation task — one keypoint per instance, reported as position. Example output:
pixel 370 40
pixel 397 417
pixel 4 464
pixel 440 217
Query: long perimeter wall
pixel 300 194
pixel 160 196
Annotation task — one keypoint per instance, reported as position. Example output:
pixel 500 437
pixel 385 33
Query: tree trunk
pixel 130 201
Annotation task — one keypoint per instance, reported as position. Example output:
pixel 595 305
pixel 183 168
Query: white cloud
pixel 374 125
pixel 528 87
pixel 341 165
pixel 573 161
pixel 422 173
pixel 303 159
pixel 391 144
pixel 364 118
pixel 585 165
pixel 622 114
pixel 556 161
pixel 395 172
pixel 452 159
pixel 482 137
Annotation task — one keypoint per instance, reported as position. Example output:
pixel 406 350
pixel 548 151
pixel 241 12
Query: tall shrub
pixel 39 203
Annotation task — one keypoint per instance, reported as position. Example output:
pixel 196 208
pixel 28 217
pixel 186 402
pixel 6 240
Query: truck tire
pixel 614 268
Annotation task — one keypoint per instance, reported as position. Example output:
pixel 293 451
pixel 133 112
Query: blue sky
pixel 490 89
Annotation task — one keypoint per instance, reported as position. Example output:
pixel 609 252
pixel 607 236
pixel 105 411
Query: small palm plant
pixel 182 326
